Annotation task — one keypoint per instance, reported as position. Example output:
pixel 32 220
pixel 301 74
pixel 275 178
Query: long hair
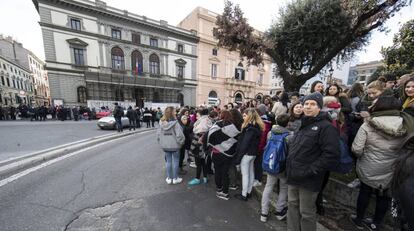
pixel 291 114
pixel 225 116
pixel 168 114
pixel 405 85
pixel 357 90
pixel 378 85
pixel 312 90
pixel 253 118
pixel 284 99
pixel 237 118
pixel 338 88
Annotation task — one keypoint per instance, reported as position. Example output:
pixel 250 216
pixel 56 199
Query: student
pixel 281 206
pixel 248 149
pixel 170 136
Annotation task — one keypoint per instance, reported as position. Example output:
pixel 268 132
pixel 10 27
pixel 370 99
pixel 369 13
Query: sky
pixel 19 19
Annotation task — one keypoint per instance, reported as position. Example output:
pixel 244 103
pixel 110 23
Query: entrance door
pixel 139 97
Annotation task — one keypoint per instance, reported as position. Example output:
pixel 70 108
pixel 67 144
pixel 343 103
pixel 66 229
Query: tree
pixel 307 36
pixel 399 58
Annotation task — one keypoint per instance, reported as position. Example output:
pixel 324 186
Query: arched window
pixel 117 58
pixel 154 64
pixel 239 72
pixel 212 98
pixel 82 95
pixel 136 62
pixel 238 97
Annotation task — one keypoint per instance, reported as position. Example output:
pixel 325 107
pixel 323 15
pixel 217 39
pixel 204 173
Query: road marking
pixel 50 162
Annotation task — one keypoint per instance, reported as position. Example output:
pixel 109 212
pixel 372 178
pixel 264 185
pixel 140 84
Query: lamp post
pixel 331 71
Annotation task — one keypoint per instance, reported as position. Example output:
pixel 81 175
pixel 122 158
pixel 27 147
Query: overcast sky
pixel 19 19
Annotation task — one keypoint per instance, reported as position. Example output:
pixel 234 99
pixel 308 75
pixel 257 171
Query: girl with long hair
pixel 170 136
pixel 295 116
pixel 248 149
pixel 408 96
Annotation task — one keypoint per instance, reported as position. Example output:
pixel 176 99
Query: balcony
pixel 240 83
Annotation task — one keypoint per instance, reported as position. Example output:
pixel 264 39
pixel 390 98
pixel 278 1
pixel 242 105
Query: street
pixel 23 137
pixel 120 185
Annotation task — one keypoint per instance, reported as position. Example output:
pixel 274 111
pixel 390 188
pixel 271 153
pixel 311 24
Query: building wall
pixel 225 85
pixel 95 31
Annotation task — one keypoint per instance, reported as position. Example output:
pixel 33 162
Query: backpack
pixel 119 112
pixel 274 155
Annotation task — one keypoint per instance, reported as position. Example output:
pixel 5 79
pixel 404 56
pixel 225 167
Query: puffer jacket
pixel 170 135
pixel 249 141
pixel 312 151
pixel 376 146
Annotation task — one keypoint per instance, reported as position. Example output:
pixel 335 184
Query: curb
pixel 11 166
pixel 258 192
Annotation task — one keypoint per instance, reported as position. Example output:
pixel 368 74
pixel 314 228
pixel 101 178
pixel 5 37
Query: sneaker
pixel 257 183
pixel 193 165
pixel 355 222
pixel 354 184
pixel 168 180
pixel 370 225
pixel 218 190
pixel 194 181
pixel 205 180
pixel 223 196
pixel 263 217
pixel 233 187
pixel 177 180
pixel 240 197
pixel 282 214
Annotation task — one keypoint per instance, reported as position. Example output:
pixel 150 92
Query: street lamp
pixel 331 71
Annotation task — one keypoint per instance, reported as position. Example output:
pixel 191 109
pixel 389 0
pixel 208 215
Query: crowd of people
pixel 295 142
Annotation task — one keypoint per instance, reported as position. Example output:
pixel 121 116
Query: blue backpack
pixel 274 155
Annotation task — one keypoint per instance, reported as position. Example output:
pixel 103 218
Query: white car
pixel 108 122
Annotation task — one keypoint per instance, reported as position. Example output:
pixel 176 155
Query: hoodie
pixel 170 135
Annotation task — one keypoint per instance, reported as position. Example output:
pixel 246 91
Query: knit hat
pixel 317 96
pixel 262 109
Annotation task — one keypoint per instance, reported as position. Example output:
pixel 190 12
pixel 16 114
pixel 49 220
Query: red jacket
pixel 263 138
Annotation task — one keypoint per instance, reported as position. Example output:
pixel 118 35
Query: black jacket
pixel 131 114
pixel 248 143
pixel 312 151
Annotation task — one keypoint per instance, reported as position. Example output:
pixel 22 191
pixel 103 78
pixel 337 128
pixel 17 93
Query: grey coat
pixel 376 145
pixel 170 135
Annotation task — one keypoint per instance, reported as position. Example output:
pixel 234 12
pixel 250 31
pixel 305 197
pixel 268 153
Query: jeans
pixel 247 171
pixel 301 215
pixel 282 197
pixel 201 167
pixel 381 206
pixel 118 124
pixel 221 175
pixel 172 159
pixel 132 124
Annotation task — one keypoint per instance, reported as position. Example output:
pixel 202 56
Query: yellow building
pixel 222 77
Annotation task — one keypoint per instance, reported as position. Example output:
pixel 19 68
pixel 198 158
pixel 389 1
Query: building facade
pixel 16 84
pixel 97 53
pixel 276 82
pixel 16 53
pixel 222 76
pixel 365 70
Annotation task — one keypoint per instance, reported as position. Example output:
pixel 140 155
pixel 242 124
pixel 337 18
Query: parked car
pixel 103 114
pixel 109 122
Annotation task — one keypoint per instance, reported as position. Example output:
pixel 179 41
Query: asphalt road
pixel 120 185
pixel 23 137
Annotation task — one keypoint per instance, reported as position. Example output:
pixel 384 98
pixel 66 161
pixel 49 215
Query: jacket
pixel 294 125
pixel 170 135
pixel 376 146
pixel 279 109
pixel 131 114
pixel 223 137
pixel 249 140
pixel 312 151
pixel 263 137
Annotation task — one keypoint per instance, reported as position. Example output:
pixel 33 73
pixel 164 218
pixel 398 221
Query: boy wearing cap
pixel 312 151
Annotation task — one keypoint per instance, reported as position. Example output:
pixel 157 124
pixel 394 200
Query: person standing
pixel 75 112
pixel 118 113
pixel 132 117
pixel 248 149
pixel 138 121
pixel 376 146
pixel 312 151
pixel 153 117
pixel 147 117
pixel 170 136
pixel 222 138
